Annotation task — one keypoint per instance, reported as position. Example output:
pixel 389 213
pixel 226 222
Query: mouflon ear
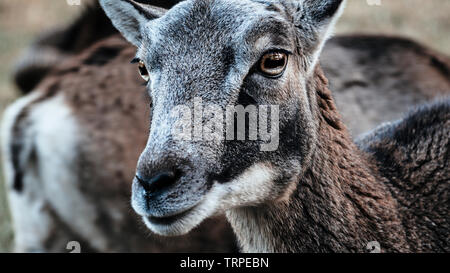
pixel 315 20
pixel 129 16
pixel 322 12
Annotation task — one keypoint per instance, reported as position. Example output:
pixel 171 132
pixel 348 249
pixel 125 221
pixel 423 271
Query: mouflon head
pixel 232 122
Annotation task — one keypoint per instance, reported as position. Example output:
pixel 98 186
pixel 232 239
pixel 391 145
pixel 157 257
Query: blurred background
pixel 427 22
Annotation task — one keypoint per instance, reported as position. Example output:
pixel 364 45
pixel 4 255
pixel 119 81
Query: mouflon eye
pixel 143 71
pixel 273 64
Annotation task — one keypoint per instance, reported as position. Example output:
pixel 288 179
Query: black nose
pixel 159 182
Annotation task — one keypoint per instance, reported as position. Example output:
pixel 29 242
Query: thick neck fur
pixel 340 203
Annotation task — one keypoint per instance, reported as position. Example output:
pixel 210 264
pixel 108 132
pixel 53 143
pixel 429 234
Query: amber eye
pixel 143 71
pixel 273 64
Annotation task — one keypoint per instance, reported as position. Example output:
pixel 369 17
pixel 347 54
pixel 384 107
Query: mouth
pixel 183 221
pixel 171 219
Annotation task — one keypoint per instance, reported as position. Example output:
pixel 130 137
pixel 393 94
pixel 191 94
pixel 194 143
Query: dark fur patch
pixel 102 56
pixel 377 46
pixel 273 7
pixel 228 59
pixel 16 149
pixel 80 34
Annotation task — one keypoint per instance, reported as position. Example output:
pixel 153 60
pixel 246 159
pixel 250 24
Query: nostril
pixel 142 181
pixel 158 182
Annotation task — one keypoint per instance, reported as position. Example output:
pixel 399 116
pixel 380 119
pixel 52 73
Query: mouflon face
pixel 232 122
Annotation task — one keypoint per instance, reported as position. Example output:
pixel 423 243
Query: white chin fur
pixel 188 222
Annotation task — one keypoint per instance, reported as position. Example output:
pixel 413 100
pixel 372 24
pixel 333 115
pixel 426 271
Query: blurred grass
pixel 20 20
pixel 427 21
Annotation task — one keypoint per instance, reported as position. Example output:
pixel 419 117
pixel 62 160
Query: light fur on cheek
pixel 254 186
